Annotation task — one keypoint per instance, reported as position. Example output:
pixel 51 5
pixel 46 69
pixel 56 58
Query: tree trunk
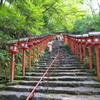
pixel 1 2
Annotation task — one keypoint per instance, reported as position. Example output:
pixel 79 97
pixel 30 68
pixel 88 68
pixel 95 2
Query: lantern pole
pixel 80 47
pixel 30 45
pixel 24 47
pixel 37 51
pixel 23 62
pixel 29 57
pixel 75 44
pixel 96 38
pixel 85 36
pixel 89 44
pixel 80 52
pixel 79 43
pixel 13 50
pixel 90 56
pixel 77 50
pixel 97 60
pixel 12 68
pixel 84 52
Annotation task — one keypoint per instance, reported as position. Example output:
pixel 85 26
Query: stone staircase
pixel 69 82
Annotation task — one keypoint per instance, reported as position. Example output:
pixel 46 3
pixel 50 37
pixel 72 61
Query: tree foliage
pixel 31 17
pixel 85 25
pixel 25 18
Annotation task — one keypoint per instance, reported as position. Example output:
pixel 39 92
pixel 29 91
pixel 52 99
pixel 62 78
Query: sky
pixel 7 3
pixel 94 5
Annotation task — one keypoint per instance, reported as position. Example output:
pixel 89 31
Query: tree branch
pixel 90 5
pixel 48 8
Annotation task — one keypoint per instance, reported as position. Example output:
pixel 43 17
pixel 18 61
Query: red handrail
pixel 32 93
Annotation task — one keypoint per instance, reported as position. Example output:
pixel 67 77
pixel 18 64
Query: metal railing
pixel 31 95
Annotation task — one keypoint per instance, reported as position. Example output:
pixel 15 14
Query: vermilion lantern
pixel 38 42
pixel 89 40
pixel 34 43
pixel 83 46
pixel 76 45
pixel 84 38
pixel 24 45
pixel 30 45
pixel 79 39
pixel 13 48
pixel 96 42
pixel 96 38
pixel 38 48
pixel 76 38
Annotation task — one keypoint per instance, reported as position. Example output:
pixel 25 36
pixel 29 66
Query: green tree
pixel 48 15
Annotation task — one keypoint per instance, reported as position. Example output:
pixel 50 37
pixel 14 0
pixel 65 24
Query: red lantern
pixel 84 38
pixel 96 42
pixel 13 48
pixel 34 43
pixel 38 42
pixel 89 40
pixel 24 45
pixel 96 38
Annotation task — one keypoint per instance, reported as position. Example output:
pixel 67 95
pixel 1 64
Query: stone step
pixel 76 62
pixel 61 68
pixel 65 59
pixel 52 70
pixel 63 83
pixel 68 58
pixel 11 95
pixel 61 59
pixel 59 74
pixel 61 78
pixel 62 65
pixel 68 90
